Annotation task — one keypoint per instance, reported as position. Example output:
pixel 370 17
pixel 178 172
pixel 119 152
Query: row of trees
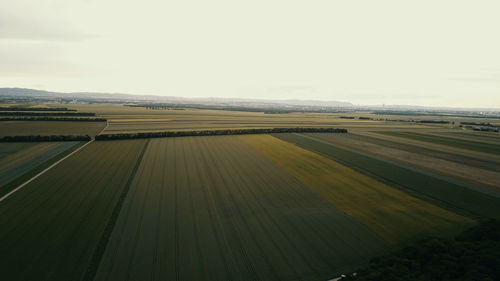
pixel 356 117
pixel 37 138
pixel 217 132
pixel 13 108
pixel 21 113
pixel 434 121
pixel 476 123
pixel 53 119
pixel 473 255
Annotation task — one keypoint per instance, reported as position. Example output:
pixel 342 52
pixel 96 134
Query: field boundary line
pixel 42 172
pixel 103 129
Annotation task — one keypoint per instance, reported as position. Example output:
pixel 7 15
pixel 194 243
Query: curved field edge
pixel 393 214
pixel 423 184
pixel 213 208
pixel 23 171
pixel 51 227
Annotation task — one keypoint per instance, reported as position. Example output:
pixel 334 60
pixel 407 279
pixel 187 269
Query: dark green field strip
pixel 462 159
pixel 33 172
pixel 413 179
pixel 10 148
pixel 106 234
pixel 473 136
pixel 464 144
pixel 51 227
pixel 212 208
pixel 17 171
pixel 46 128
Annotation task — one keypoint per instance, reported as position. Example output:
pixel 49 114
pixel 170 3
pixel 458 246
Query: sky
pixel 432 53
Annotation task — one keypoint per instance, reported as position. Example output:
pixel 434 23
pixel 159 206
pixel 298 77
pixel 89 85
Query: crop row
pixel 215 209
pixel 51 227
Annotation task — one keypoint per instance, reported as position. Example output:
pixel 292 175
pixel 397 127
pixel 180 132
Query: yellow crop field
pixel 393 214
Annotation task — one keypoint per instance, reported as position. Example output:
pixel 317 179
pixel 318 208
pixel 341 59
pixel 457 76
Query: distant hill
pixel 25 95
pixel 22 92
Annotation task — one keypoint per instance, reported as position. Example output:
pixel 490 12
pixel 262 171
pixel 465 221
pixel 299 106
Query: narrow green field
pixel 459 143
pixel 422 183
pixel 429 151
pixel 14 147
pixel 491 138
pixel 21 162
pixel 213 208
pixel 51 228
pixel 44 128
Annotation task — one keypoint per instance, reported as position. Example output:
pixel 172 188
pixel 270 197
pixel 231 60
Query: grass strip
pixel 106 234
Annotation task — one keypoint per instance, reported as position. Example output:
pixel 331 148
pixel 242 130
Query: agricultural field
pixel 45 128
pixel 449 141
pixel 442 190
pixel 17 159
pixel 287 206
pixel 393 214
pixel 213 208
pixel 51 227
pixel 475 171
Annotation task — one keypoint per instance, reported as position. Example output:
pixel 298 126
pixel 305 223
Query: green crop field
pixel 394 215
pixel 480 173
pixel 51 227
pixel 424 184
pixel 474 136
pixel 15 164
pixel 10 148
pixel 425 150
pixel 459 143
pixel 44 128
pixel 213 208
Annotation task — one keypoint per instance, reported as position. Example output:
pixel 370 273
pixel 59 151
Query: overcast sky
pixel 442 53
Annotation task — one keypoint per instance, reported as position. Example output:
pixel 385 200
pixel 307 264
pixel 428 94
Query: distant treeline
pixel 487 129
pixel 433 121
pixel 217 133
pixel 476 123
pixel 35 109
pixel 473 255
pixel 265 109
pixel 20 113
pixel 74 119
pixel 39 138
pixel 356 117
pixel 430 113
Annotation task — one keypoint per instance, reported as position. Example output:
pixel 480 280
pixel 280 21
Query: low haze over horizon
pixel 429 53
